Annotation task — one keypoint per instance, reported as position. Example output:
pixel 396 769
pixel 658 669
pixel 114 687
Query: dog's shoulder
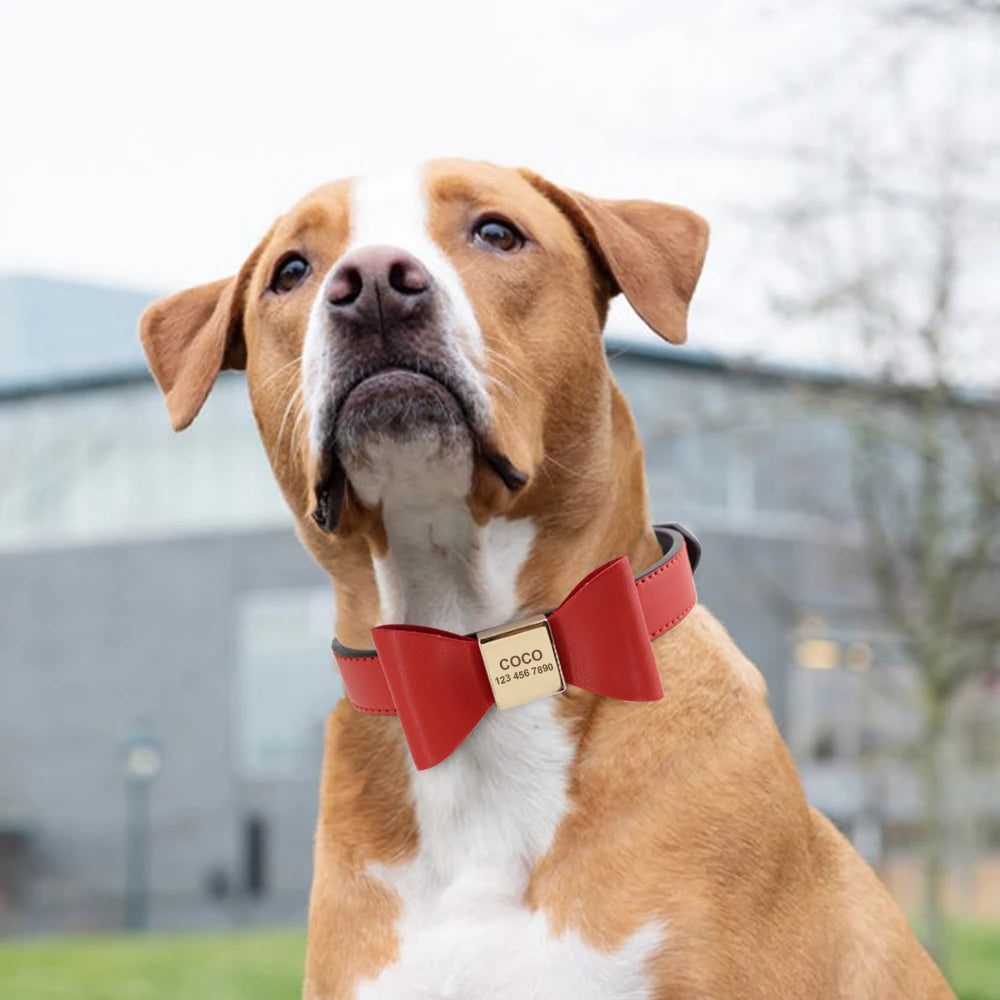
pixel 701 639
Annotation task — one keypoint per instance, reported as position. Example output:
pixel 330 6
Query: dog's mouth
pixel 382 398
pixel 396 399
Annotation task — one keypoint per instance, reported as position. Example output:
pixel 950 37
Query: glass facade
pixel 91 465
pixel 284 682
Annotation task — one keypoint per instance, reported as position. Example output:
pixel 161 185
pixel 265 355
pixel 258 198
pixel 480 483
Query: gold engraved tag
pixel 521 661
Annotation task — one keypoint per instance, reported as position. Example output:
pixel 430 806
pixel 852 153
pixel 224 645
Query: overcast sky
pixel 151 145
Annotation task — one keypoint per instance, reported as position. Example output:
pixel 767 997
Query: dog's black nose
pixel 377 284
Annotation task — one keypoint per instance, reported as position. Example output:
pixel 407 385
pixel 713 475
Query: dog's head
pixel 432 333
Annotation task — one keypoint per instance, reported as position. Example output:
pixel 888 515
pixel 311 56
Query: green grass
pixel 267 965
pixel 974 960
pixel 257 965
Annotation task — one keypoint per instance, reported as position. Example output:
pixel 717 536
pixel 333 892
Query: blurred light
pixel 817 654
pixel 142 762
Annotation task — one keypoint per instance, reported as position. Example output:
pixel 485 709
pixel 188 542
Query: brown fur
pixel 687 811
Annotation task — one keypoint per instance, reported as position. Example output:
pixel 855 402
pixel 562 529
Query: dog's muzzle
pixel 396 372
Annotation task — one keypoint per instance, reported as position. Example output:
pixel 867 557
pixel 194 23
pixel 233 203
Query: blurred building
pixel 152 583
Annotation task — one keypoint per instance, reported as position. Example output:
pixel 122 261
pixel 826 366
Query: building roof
pixel 54 332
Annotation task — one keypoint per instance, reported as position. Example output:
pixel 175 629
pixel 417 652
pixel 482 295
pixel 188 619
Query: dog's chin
pixel 402 439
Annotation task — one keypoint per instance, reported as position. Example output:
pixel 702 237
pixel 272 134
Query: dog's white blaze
pixel 490 812
pixel 391 209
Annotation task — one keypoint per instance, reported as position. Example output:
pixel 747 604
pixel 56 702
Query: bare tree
pixel 890 237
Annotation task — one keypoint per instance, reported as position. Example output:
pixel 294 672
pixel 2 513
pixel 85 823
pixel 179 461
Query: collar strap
pixel 441 684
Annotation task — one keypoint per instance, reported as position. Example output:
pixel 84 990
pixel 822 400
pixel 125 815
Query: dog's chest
pixel 486 816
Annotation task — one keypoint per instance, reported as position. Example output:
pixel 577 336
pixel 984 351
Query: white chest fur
pixel 489 812
pixel 486 816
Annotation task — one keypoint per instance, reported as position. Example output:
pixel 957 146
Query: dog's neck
pixel 442 569
pixel 436 565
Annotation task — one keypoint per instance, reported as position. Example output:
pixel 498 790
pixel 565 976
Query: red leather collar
pixel 441 684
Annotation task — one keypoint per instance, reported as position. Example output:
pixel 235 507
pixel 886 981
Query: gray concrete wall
pixel 94 638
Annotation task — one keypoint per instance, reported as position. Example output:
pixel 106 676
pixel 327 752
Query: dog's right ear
pixel 191 336
pixel 188 339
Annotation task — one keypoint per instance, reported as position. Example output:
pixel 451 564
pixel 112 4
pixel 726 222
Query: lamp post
pixel 142 761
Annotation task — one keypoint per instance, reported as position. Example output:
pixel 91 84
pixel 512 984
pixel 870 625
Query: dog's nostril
pixel 376 282
pixel 407 277
pixel 345 287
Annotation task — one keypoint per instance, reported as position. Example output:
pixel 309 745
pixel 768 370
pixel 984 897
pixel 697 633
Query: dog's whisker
pixel 283 370
pixel 300 428
pixel 295 396
pixel 508 369
pixel 549 459
pixel 516 415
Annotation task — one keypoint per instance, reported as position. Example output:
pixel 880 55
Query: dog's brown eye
pixel 499 235
pixel 289 273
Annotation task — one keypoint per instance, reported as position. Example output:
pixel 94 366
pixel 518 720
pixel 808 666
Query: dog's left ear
pixel 650 251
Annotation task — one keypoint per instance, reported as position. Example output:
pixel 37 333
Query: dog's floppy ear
pixel 191 336
pixel 651 251
pixel 188 339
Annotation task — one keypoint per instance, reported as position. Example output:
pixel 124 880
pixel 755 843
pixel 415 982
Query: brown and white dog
pixel 424 357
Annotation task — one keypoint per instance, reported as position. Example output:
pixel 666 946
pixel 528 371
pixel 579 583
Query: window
pixel 286 682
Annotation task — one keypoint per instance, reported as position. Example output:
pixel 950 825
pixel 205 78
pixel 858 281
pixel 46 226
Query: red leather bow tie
pixel 441 684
